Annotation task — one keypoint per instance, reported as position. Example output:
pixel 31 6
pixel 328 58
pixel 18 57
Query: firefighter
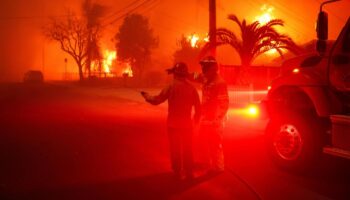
pixel 182 97
pixel 215 103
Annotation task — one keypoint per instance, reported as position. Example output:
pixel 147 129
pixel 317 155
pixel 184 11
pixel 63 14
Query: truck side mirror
pixel 322 26
pixel 322 32
pixel 321 46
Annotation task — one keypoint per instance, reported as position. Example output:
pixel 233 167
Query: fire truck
pixel 308 105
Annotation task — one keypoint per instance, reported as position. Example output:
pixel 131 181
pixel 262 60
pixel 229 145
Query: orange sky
pixel 23 47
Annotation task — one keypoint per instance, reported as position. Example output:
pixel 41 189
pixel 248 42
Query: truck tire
pixel 294 142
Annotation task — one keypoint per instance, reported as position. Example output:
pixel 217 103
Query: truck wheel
pixel 294 143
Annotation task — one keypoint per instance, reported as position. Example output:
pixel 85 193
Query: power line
pixel 122 10
pixel 128 12
pixel 152 6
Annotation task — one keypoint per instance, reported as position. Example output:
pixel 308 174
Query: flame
pixel 206 39
pixel 109 67
pixel 266 16
pixel 104 65
pixel 95 65
pixel 193 39
pixel 196 41
pixel 128 71
pixel 109 57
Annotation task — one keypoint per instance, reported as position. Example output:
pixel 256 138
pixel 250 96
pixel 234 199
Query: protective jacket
pixel 215 99
pixel 181 96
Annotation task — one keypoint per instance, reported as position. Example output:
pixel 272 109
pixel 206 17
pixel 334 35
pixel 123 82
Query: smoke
pixel 23 46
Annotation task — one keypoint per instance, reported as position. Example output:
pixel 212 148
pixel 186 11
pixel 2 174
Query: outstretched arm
pixel 157 99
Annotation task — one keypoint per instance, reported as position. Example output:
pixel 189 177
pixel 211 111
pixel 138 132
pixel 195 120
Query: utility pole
pixel 212 26
pixel 65 68
pixel 43 41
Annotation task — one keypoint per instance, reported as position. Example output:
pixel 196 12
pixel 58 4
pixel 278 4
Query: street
pixel 66 141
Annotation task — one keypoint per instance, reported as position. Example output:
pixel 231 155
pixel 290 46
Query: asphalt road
pixel 74 142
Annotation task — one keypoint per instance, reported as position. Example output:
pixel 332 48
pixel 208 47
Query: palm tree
pixel 256 39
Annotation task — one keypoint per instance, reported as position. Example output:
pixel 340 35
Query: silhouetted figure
pixel 215 102
pixel 182 97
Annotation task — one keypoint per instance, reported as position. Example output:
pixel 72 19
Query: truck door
pixel 339 70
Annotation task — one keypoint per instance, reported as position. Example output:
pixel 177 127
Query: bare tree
pixel 78 36
pixel 72 35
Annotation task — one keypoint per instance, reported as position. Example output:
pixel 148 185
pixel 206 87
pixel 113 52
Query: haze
pixel 23 47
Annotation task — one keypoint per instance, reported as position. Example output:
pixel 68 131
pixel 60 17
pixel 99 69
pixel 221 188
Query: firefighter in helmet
pixel 182 97
pixel 215 103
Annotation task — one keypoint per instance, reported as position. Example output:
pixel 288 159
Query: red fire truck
pixel 309 104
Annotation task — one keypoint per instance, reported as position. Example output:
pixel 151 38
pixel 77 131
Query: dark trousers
pixel 181 154
pixel 212 134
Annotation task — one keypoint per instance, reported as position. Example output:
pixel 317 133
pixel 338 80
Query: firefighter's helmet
pixel 208 62
pixel 179 69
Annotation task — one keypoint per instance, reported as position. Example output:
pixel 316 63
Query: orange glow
pixel 104 65
pixel 269 87
pixel 193 39
pixel 109 57
pixel 128 71
pixel 271 51
pixel 296 70
pixel 110 68
pixel 252 111
pixel 266 16
pixel 206 39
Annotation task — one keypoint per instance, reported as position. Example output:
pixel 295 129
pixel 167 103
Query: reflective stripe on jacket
pixel 215 99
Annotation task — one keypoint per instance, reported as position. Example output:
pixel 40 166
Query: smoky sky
pixel 22 46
